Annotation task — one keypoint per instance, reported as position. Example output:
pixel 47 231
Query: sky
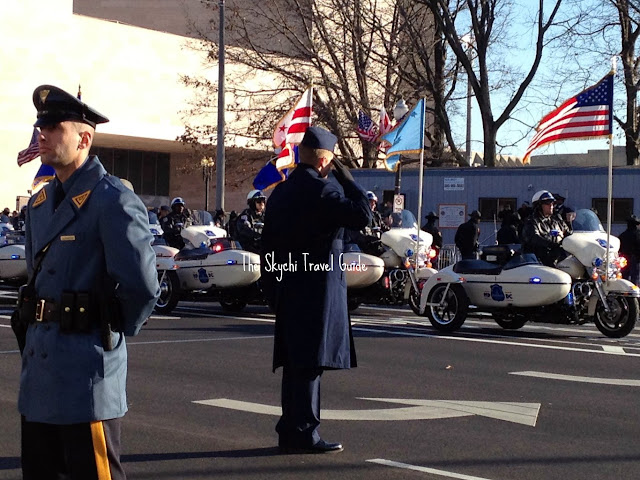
pixel 540 98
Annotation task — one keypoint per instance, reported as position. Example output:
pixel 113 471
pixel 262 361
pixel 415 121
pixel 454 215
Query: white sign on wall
pixel 453 184
pixel 451 216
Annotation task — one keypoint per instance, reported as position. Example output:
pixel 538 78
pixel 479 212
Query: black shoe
pixel 320 447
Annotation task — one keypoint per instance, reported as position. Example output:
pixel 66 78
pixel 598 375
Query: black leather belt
pixel 47 311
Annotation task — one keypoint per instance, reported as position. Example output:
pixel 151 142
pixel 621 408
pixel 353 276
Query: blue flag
pixel 45 174
pixel 277 170
pixel 406 138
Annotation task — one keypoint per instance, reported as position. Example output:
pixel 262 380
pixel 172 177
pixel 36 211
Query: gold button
pixel 67 309
pixel 81 309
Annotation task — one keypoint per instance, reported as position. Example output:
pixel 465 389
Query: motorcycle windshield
pixel 402 219
pixel 586 221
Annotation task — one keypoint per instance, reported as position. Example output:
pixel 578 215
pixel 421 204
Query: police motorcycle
pixel 515 288
pixel 13 261
pixel 211 266
pixel 397 274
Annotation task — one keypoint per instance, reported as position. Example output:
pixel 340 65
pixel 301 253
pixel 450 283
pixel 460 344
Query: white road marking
pixel 522 413
pixel 504 341
pixel 196 340
pixel 433 471
pixel 573 378
pixel 613 348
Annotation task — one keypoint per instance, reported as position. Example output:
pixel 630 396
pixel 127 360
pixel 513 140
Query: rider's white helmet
pixel 177 201
pixel 255 195
pixel 541 196
pixel 372 196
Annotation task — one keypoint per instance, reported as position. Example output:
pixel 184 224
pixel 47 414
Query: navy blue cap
pixel 319 138
pixel 54 105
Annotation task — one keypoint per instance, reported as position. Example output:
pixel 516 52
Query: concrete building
pixel 128 71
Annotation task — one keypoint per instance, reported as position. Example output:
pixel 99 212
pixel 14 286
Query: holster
pixel 111 319
pixel 24 314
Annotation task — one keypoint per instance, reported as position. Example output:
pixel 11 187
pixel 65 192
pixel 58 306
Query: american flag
pixel 588 114
pixel 366 128
pixel 31 152
pixel 291 127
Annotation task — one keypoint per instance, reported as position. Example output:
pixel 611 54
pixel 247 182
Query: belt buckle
pixel 40 310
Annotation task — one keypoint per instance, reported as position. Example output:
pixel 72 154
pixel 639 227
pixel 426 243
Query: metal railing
pixel 449 255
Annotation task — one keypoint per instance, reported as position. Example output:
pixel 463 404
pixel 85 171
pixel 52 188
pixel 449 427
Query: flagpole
pixel 609 206
pixel 609 184
pixel 420 182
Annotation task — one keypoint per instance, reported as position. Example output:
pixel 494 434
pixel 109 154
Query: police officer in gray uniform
pixel 96 283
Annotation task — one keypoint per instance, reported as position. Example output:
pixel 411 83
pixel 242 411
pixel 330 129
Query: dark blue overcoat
pixel 302 274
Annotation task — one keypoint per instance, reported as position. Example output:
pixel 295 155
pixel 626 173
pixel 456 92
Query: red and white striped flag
pixel 385 122
pixel 588 114
pixel 291 127
pixel 31 152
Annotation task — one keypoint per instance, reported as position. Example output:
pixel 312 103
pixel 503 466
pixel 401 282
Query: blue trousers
pixel 298 425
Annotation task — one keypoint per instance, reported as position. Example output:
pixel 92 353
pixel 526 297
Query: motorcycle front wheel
pixel 414 302
pixel 169 292
pixel 451 310
pixel 621 320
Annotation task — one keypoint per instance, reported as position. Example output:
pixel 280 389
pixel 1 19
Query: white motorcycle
pixel 516 288
pixel 13 261
pixel 401 269
pixel 211 266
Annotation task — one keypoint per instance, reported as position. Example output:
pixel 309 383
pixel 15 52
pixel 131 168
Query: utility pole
pixel 220 164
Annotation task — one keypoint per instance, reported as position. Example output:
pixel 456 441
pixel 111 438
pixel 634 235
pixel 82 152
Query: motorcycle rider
pixel 173 223
pixel 543 231
pixel 250 222
pixel 377 226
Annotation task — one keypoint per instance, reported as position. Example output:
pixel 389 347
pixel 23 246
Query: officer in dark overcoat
pixel 467 236
pixel 306 284
pixel 96 283
pixel 630 249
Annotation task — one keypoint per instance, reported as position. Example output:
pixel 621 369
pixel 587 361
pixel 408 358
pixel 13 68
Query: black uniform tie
pixel 59 195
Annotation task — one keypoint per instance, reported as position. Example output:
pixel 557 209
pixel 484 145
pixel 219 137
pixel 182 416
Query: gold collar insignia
pixel 40 199
pixel 79 200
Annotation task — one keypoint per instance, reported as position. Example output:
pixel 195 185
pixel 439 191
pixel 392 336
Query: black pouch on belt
pixel 67 311
pixel 82 321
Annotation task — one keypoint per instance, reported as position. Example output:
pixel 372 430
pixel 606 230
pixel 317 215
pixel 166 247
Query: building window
pixel 621 208
pixel 147 171
pixel 490 207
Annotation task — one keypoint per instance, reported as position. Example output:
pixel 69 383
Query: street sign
pixel 398 203
pixel 522 413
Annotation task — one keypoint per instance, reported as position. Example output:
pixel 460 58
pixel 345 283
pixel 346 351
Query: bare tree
pixel 629 17
pixel 487 21
pixel 358 52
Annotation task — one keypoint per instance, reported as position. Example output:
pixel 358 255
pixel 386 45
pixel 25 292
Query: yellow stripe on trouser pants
pixel 100 451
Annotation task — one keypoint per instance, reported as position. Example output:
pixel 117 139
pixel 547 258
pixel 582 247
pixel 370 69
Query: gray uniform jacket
pixel 100 228
pixel 303 225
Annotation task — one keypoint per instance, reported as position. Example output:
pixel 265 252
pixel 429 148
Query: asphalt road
pixel 545 402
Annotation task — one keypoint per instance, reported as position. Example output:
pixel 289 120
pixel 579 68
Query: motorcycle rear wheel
pixel 510 321
pixel 169 292
pixel 624 313
pixel 453 312
pixel 233 306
